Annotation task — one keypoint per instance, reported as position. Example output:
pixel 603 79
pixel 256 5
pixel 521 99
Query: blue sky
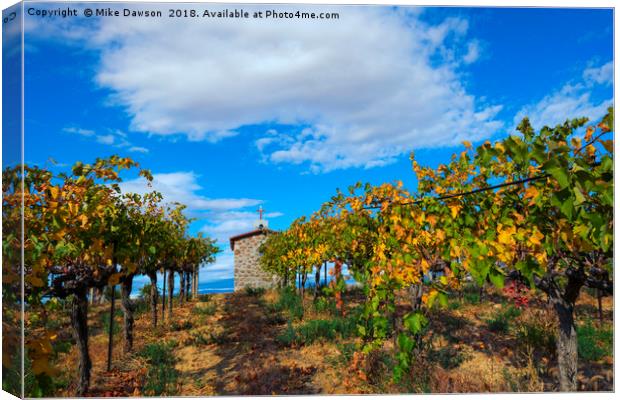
pixel 231 115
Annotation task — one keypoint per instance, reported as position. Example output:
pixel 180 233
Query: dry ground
pixel 244 356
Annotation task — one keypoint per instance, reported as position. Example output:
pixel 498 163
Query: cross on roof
pixel 260 212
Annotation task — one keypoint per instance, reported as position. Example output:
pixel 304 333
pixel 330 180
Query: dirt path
pixel 246 358
pixel 228 345
pixel 232 349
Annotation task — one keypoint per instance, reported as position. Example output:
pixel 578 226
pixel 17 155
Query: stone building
pixel 245 247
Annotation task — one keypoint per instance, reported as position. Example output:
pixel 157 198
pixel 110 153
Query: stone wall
pixel 248 272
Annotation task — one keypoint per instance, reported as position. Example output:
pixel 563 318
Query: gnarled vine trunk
pixel 415 293
pixel 195 283
pixel 79 323
pixel 111 326
pixel 163 298
pixel 128 309
pixel 188 282
pixel 154 294
pixel 563 302
pixel 304 276
pixel 317 280
pixel 197 275
pixel 170 292
pixel 182 287
pixel 566 346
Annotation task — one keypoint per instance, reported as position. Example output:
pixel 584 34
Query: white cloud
pixel 79 131
pixel 113 137
pixel 182 187
pixel 573 100
pixel 222 268
pixel 105 139
pixel 371 86
pixel 138 149
pixel 222 226
pixel 473 52
pixel 224 217
pixel 603 75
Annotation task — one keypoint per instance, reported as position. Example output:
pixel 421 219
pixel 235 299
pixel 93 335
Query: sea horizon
pixel 219 286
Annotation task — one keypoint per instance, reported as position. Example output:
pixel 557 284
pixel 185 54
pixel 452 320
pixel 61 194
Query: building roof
pixel 255 232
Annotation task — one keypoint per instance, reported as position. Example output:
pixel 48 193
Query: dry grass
pixel 234 351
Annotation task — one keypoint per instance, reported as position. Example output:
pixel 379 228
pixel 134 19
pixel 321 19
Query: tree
pixel 536 207
pixel 135 231
pixel 67 217
pixel 561 237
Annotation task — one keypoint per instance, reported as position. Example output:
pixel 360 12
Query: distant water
pixel 220 286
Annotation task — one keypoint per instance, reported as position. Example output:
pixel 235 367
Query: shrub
pixel 346 351
pixel 537 332
pixel 62 346
pixel 209 309
pixel 500 322
pixel 471 293
pixel 447 357
pixel 594 343
pixel 161 376
pixel 254 292
pixel 454 305
pixel 323 304
pixel 512 312
pixel 319 329
pixel 289 301
pixel 471 298
pixel 289 336
pixel 204 298
pixel 453 322
pixel 314 330
pixel 181 326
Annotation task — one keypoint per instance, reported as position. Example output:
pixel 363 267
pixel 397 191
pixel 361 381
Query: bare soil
pixel 243 355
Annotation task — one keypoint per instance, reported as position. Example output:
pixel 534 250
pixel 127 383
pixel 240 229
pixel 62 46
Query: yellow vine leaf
pixel 505 235
pixel 454 210
pixel 589 133
pixel 536 237
pixel 531 193
pixel 541 258
pixel 431 297
pixel 83 220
